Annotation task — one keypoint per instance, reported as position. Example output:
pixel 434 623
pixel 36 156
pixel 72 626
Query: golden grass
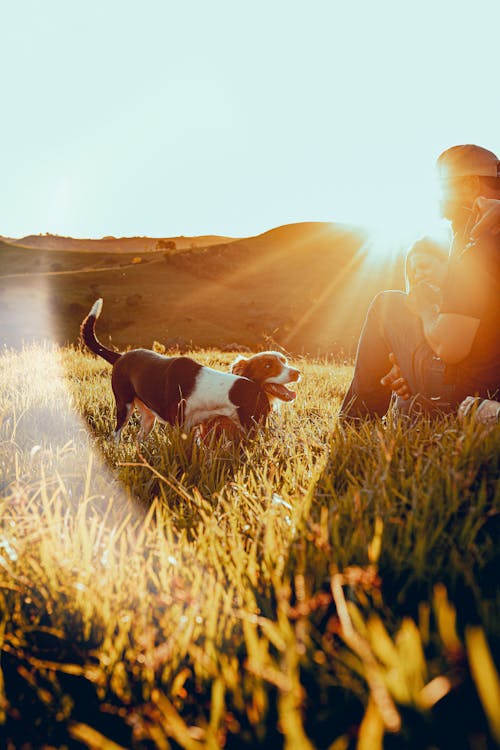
pixel 281 593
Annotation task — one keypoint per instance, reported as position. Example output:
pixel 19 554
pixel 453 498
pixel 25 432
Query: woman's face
pixel 425 267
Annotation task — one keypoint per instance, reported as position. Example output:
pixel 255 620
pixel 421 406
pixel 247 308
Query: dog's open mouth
pixel 279 391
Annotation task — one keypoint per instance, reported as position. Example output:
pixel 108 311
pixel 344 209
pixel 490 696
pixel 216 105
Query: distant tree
pixel 165 245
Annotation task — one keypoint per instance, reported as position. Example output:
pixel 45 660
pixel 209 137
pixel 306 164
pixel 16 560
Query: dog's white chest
pixel 210 396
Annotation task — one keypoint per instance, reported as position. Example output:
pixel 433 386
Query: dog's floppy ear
pixel 238 367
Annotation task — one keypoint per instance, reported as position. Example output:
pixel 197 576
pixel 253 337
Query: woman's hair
pixel 425 246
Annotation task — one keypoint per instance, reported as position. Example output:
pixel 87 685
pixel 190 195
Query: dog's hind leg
pixel 123 412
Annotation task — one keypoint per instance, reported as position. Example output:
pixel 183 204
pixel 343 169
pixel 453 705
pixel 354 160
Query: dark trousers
pixel 390 326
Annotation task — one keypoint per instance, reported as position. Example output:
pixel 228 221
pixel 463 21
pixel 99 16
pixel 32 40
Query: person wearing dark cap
pixel 458 353
pixel 469 178
pixel 464 331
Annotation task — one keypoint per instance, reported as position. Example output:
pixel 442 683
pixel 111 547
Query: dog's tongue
pixel 279 391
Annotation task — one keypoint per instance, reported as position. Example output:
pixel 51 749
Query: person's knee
pixel 390 300
pixel 390 307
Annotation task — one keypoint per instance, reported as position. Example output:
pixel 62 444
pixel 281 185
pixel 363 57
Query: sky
pixel 165 118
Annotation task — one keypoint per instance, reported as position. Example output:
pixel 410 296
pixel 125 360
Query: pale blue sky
pixel 217 116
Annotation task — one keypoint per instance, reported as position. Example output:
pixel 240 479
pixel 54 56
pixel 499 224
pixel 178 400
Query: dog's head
pixel 271 370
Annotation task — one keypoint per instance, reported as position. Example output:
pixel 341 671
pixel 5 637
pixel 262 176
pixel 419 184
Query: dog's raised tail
pixel 87 332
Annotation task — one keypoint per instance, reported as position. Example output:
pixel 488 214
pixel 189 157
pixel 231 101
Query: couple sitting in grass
pixel 437 347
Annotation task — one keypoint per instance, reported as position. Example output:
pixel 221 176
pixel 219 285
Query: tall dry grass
pixel 318 587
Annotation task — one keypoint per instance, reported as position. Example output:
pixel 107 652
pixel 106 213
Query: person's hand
pixel 424 298
pixel 395 380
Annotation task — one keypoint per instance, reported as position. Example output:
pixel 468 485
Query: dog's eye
pixel 267 365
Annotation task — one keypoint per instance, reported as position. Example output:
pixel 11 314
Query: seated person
pixel 449 349
pixel 392 333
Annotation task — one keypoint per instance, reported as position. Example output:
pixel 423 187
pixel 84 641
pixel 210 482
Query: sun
pixel 384 244
pixel 392 228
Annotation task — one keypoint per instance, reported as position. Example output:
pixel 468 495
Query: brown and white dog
pixel 179 390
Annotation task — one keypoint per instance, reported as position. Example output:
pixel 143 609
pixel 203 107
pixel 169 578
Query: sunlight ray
pixel 265 259
pixel 327 291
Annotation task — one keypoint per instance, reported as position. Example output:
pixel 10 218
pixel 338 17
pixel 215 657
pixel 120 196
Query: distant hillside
pixel 115 244
pixel 303 286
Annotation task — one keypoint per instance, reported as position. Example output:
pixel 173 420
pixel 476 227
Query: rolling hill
pixel 302 286
pixel 114 244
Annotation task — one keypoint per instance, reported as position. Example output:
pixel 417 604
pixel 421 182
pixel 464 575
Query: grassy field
pixel 320 587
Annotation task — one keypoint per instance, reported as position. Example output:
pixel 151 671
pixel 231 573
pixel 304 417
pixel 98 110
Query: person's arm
pixel 450 335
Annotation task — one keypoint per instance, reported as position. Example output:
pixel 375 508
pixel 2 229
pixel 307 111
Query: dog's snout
pixel 294 373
